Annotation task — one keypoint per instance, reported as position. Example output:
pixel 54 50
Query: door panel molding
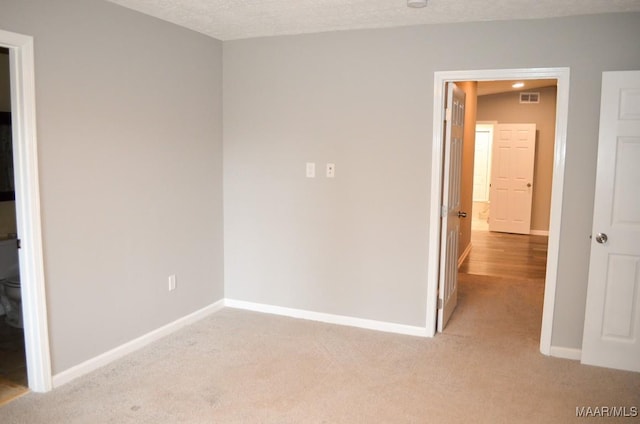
pixel 611 336
pixel 450 236
pixel 511 192
pixel 562 111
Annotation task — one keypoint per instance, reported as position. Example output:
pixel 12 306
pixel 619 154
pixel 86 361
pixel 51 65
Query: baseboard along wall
pixel 142 341
pixel 565 353
pixel 135 344
pixel 368 324
pixel 464 255
pixel 539 233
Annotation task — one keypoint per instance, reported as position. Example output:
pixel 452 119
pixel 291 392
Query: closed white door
pixel 448 282
pixel 612 318
pixel 513 158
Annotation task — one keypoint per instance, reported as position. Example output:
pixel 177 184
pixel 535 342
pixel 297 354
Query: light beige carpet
pixel 242 367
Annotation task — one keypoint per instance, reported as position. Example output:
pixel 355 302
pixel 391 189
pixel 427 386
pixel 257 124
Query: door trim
pixel 34 309
pixel 562 114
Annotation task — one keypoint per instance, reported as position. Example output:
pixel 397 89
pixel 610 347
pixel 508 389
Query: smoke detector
pixel 416 3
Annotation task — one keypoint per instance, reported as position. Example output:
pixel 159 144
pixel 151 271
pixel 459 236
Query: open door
pixel 612 318
pixel 454 132
pixel 512 165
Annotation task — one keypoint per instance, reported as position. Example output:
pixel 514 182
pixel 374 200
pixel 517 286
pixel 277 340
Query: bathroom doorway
pixel 27 209
pixel 482 176
pixel 13 365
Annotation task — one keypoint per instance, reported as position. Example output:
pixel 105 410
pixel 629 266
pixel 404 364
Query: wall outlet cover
pixel 311 170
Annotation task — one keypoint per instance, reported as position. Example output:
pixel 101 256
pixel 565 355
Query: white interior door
pixel 448 281
pixel 612 317
pixel 513 158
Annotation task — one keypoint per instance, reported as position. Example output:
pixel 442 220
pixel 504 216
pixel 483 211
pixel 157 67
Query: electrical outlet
pixel 172 282
pixel 331 170
pixel 311 170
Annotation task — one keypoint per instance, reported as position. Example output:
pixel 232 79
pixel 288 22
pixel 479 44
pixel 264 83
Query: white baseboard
pixel 464 255
pixel 565 352
pixel 388 327
pixel 122 350
pixel 539 233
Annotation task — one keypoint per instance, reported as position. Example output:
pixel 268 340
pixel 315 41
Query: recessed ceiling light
pixel 416 3
pixel 518 85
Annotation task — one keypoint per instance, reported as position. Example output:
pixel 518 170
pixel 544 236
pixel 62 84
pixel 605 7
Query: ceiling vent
pixel 529 97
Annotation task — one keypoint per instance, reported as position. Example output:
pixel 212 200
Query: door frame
pixel 562 114
pixel 25 156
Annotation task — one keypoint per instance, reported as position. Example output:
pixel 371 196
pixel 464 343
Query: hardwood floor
pixel 506 255
pixel 13 367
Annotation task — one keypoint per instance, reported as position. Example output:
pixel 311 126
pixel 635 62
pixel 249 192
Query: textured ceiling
pixel 235 19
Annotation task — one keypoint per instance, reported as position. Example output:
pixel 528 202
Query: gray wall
pixel 507 109
pixel 130 155
pixel 130 151
pixel 357 245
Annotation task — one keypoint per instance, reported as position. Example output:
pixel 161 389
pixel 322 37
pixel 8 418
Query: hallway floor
pixel 507 255
pixel 13 368
pixel 501 288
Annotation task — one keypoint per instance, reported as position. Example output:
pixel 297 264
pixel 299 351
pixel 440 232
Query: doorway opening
pixel 515 245
pixel 27 209
pixel 13 365
pixel 481 187
pixel 561 75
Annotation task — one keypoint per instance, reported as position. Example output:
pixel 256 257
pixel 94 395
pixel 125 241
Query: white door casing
pixel 448 290
pixel 611 335
pixel 563 76
pixel 25 157
pixel 512 164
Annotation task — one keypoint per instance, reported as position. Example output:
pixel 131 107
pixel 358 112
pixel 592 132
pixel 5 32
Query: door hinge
pixel 18 243
pixel 443 211
pixel 439 303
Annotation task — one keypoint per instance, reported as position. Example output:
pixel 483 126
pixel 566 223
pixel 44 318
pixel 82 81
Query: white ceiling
pixel 235 19
pixel 494 87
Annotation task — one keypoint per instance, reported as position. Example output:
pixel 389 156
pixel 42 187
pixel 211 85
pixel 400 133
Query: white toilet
pixel 10 292
pixel 13 294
